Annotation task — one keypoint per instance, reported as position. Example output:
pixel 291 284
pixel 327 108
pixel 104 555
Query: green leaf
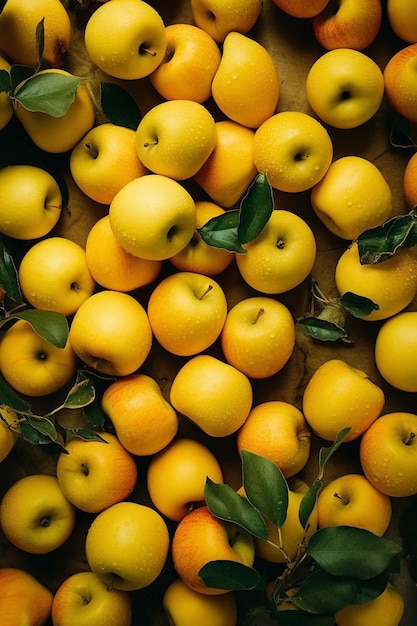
pixel 81 394
pixel 372 588
pixel 43 425
pixel 8 275
pixel 221 231
pixel 50 325
pixel 368 555
pixel 226 504
pixel 308 502
pixel 5 81
pixel 2 5
pixel 51 93
pixel 40 40
pixel 380 243
pixel 87 434
pixel 265 487
pixel 255 209
pixel 358 306
pixel 323 593
pixel 94 415
pixel 407 528
pixel 327 451
pixel 11 399
pixel 400 132
pixel 323 330
pixel 34 436
pixel 19 73
pixel 119 106
pixel 301 618
pixel 229 575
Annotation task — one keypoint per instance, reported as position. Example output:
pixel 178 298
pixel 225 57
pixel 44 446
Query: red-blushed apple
pixel 348 24
pixel 24 599
pixel 401 82
pixel 199 538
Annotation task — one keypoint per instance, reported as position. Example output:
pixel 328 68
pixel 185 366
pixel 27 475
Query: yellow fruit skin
pixel 6 107
pixel 18 21
pixel 25 601
pixel 186 607
pixel 392 284
pixel 385 610
pixel 8 437
pixel 246 85
pixel 396 351
pixel 59 134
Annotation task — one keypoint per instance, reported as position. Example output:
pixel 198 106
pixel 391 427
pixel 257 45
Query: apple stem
pixel 92 150
pixel 142 50
pixel 336 495
pixel 150 143
pixel 259 312
pixel 203 295
pixel 410 439
pixel 85 469
pixel 45 521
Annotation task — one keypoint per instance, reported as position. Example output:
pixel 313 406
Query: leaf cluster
pixel 324 576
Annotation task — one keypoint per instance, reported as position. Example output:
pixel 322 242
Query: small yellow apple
pixel 281 257
pixel 214 395
pixel 388 450
pixel 177 475
pixel 348 24
pixel 187 311
pixel 351 500
pixel 127 545
pixel 153 217
pixel 32 365
pixel 175 138
pixel 25 600
pixel 93 475
pixel 190 63
pixel 84 599
pixel 200 538
pixel 278 431
pixel 219 18
pixel 258 336
pixel 35 516
pixel 126 39
pixel 8 431
pixel 396 351
pixel 30 202
pixel 111 333
pixel 143 419
pixel 305 151
pixel 338 396
pixel 186 607
pixel 54 275
pixel 104 160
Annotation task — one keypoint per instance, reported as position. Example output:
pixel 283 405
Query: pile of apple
pixel 168 273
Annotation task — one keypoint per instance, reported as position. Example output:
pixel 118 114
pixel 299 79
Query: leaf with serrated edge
pixel 226 504
pixel 229 575
pixel 255 209
pixel 265 486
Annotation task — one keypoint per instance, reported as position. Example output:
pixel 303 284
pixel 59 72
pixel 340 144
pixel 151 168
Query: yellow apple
pixel 176 476
pixel 345 88
pixel 126 39
pixel 93 475
pixel 117 270
pixel 32 365
pixel 278 431
pixel 59 134
pixel 198 256
pixel 388 451
pixel 258 336
pixel 281 257
pixel 282 544
pixel 301 8
pixel 35 516
pixel 190 63
pixel 143 419
pixel 387 609
pixel 396 351
pixel 230 169
pixel 175 138
pixel 402 19
pixel 351 197
pixel 351 500
pixel 219 18
pixel 127 545
pixel 214 395
pixel 305 154
pixel 337 396
pixel 153 217
pixel 18 22
pixel 104 160
pixel 200 538
pixel 6 107
pixel 30 202
pixel 9 433
pixel 111 333
pixel 400 82
pixel 392 284
pixel 83 599
pixel 246 85
pixel 187 311
pixel 186 607
pixel 348 24
pixel 410 181
pixel 24 599
pixel 54 275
